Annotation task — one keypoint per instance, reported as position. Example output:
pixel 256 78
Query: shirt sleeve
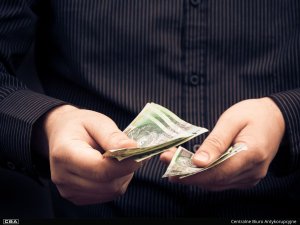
pixel 287 159
pixel 20 107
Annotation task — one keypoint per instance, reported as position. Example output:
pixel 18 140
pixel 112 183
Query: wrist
pixel 40 131
pixel 51 116
pixel 274 110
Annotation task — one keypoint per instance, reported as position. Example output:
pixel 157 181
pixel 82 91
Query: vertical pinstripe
pixel 195 57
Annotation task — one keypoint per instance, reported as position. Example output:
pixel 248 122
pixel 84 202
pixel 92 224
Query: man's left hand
pixel 260 125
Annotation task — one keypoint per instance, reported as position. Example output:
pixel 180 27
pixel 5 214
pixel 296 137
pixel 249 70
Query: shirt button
pixel 196 147
pixel 194 80
pixel 11 166
pixel 195 2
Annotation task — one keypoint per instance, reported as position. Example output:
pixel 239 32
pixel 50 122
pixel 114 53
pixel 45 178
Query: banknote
pixel 155 129
pixel 181 164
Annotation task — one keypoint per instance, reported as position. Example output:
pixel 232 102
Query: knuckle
pixel 264 156
pixel 99 176
pixel 114 138
pixel 58 155
pixel 261 175
pixel 220 178
pixel 115 135
pixel 118 191
pixel 123 189
pixel 103 176
pixel 260 157
pixel 65 194
pixel 55 156
pixel 253 184
pixel 119 188
pixel 261 153
pixel 114 190
pixel 57 180
pixel 216 142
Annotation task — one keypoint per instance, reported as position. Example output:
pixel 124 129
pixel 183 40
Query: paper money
pixel 181 164
pixel 155 130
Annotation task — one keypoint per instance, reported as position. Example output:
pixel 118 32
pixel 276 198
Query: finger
pixel 78 184
pixel 218 141
pixel 242 181
pixel 221 174
pixel 86 198
pixel 250 176
pixel 83 160
pixel 90 198
pixel 107 134
pixel 84 192
pixel 167 156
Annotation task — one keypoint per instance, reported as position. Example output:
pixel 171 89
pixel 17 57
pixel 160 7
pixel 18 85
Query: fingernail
pixel 202 156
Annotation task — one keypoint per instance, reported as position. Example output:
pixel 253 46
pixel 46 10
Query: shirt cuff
pixel 287 159
pixel 18 112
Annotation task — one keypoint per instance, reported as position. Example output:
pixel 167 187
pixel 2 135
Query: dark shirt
pixel 195 57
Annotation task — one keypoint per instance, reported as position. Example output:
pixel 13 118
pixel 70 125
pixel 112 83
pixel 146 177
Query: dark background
pixel 20 196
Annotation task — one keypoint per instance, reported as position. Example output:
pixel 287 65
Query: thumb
pixel 107 134
pixel 222 136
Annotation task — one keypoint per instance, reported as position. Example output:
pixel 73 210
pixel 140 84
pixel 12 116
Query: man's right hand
pixel 76 138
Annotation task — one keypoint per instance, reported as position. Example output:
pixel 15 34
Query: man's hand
pixel 256 122
pixel 76 140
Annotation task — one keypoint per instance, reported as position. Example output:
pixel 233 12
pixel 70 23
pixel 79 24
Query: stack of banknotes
pixel 156 129
pixel 181 164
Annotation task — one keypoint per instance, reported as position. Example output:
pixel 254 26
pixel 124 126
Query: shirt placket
pixel 195 78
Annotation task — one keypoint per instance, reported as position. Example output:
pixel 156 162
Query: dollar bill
pixel 181 164
pixel 155 130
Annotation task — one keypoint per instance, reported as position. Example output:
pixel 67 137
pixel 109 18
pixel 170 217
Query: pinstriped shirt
pixel 195 57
